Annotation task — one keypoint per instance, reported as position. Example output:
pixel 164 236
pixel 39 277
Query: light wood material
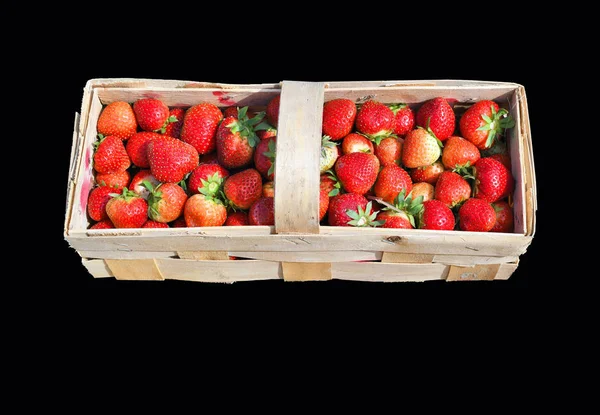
pixel 204 255
pixel 134 269
pixel 297 160
pixel 304 271
pixel 399 257
pixel 380 272
pixel 474 273
pixel 219 271
pixel 309 256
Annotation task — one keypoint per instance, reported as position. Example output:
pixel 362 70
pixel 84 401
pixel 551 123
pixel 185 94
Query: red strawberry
pixel 97 200
pixel 137 148
pixel 338 118
pixel 476 215
pixel 243 188
pixel 323 202
pixel 458 152
pixel 165 202
pixel 401 213
pixel 340 205
pixel 375 120
pixel 236 139
pixel 264 158
pixel 503 158
pixel 452 189
pixel 176 116
pixel 483 121
pixel 137 183
pixel 206 172
pixel 117 180
pixel 504 217
pixel 201 210
pixel 239 218
pixel 268 189
pixel 210 158
pixel 273 111
pixel 230 112
pixel 423 189
pixel 420 149
pixel 151 114
pixel 103 224
pixel 436 215
pixel 200 126
pixel 355 143
pixel 154 224
pixel 262 212
pixel 171 159
pixel 428 174
pixel 179 222
pixel 110 156
pixel 389 151
pixel 357 172
pixel 405 119
pixel 127 210
pixel 437 115
pixel 493 181
pixel 330 183
pixel 391 181
pixel 268 133
pixel 117 119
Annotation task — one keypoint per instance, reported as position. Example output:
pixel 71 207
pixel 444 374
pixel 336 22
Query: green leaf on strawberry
pixel 364 218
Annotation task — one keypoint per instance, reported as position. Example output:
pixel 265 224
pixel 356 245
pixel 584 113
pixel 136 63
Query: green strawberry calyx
pixel 430 131
pixel 363 218
pixel 168 121
pixel 211 186
pixel 404 204
pixel 397 107
pixel 270 154
pixel 336 183
pixel 125 195
pixel 247 127
pixel 496 124
pixel 465 170
pixel 154 197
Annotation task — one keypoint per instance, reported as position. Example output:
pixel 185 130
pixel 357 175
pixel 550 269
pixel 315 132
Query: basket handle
pixel 298 154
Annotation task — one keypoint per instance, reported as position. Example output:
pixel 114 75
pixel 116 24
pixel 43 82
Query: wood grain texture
pixel 306 271
pixel 134 269
pixel 473 273
pixel 297 161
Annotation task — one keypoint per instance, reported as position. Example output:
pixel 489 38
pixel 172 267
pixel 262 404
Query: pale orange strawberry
pixel 165 202
pixel 389 151
pixel 423 189
pixel 117 119
pixel 452 189
pixel 420 149
pixel 202 210
pixel 354 143
pixel 117 180
pixel 127 210
pixel 428 174
pixel 269 189
pixel 459 153
pixel 137 183
pixel 391 181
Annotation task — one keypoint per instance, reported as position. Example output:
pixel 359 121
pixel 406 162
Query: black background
pixel 303 307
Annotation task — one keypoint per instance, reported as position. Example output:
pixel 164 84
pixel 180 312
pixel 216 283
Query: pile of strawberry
pixel 160 167
pixel 398 167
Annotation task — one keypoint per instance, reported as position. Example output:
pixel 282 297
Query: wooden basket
pixel 297 248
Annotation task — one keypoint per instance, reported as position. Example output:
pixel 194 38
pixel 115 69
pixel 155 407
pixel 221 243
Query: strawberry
pixel 437 115
pixel 375 120
pixel 323 202
pixel 389 151
pixel 165 202
pixel 340 205
pixel 357 172
pixel 239 218
pixel 152 114
pixel 493 181
pixel 483 121
pixel 127 210
pixel 355 143
pixel 452 189
pixel 202 210
pixel 137 183
pixel 504 217
pixel 117 180
pixel 230 112
pixel 268 133
pixel 503 158
pixel 329 154
pixel 273 111
pixel 154 224
pixel 264 158
pixel 103 224
pixel 171 159
pixel 391 181
pixel 362 217
pixel 200 126
pixel 268 189
pixel 428 174
pixel 207 175
pixel 423 189
pixel 401 214
pixel 236 139
pixel 179 222
pixel 436 215
pixel 405 119
pixel 97 200
pixel 262 212
pixel 243 188
pixel 110 155
pixel 476 215
pixel 117 119
pixel 420 148
pixel 330 182
pixel 173 128
pixel 137 148
pixel 338 118
pixel 459 153
pixel 210 158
